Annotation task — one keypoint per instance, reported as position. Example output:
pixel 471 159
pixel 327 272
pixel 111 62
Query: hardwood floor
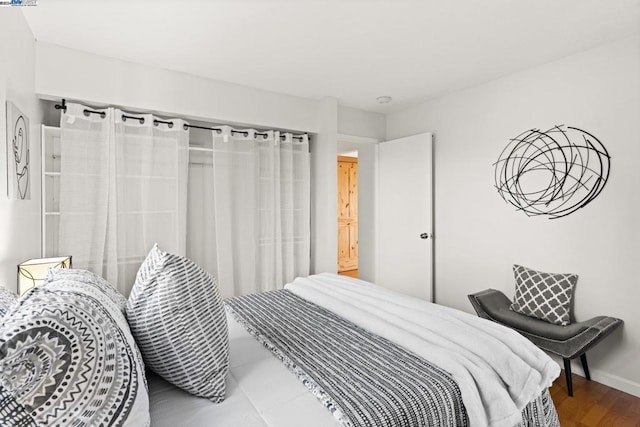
pixel 594 404
pixel 350 273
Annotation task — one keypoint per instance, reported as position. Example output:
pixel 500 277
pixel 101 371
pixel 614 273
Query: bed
pixel 330 350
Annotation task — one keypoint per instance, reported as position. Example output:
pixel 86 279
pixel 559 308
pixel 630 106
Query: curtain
pixel 123 187
pixel 255 191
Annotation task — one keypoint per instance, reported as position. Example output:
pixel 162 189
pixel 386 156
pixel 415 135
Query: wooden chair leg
pixel 567 373
pixel 585 367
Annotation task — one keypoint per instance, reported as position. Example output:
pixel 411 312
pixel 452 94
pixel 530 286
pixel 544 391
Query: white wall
pixel 324 201
pixel 63 72
pixel 352 121
pixel 19 219
pixel 479 236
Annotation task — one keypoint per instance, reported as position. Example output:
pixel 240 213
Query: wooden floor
pixel 594 404
pixel 350 273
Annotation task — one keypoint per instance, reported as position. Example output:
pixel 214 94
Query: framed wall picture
pixel 18 155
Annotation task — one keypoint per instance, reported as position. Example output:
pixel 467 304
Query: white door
pixel 405 241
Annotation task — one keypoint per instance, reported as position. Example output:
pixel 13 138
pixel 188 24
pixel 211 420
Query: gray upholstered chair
pixel 567 342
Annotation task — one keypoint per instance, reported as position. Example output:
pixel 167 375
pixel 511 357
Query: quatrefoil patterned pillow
pixel 546 296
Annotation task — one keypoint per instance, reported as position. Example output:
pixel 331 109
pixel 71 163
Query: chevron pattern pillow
pixel 67 357
pixel 176 315
pixel 546 296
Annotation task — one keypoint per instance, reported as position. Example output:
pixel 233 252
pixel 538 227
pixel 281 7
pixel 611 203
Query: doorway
pixel 348 214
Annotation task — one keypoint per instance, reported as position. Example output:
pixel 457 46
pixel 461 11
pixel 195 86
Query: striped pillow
pixel 176 315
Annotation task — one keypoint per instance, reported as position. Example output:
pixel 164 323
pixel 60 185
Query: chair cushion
pixel 535 326
pixel 546 296
pixel 565 341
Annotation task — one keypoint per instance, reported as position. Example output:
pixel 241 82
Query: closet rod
pixel 63 107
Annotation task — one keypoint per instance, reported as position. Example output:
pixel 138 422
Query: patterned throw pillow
pixel 67 357
pixel 176 315
pixel 84 277
pixel 546 296
pixel 7 299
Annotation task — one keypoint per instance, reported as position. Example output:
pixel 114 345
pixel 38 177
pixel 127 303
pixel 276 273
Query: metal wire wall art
pixel 553 172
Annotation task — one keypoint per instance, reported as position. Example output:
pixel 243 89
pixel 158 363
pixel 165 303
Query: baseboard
pixel 605 378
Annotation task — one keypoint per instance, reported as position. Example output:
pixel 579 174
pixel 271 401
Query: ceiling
pixel 352 50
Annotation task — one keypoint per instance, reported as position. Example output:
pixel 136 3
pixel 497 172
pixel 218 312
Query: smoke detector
pixel 384 99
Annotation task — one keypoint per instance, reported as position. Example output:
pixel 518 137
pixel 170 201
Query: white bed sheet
pixel 260 392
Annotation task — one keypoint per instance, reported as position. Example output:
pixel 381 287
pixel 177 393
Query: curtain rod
pixel 186 126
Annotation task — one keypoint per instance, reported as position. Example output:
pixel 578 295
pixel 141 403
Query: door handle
pixel 424 235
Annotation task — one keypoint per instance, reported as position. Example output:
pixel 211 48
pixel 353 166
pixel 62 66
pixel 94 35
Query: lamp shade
pixel 33 272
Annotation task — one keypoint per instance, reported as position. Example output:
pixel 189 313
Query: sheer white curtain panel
pixel 256 234
pixel 87 173
pixel 151 186
pixel 123 187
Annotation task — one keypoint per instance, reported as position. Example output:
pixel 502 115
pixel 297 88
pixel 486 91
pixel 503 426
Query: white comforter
pixel 497 370
pixel 261 392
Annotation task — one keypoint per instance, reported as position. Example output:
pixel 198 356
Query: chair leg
pixel 567 373
pixel 585 367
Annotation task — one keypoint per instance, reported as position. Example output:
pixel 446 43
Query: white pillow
pixel 176 315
